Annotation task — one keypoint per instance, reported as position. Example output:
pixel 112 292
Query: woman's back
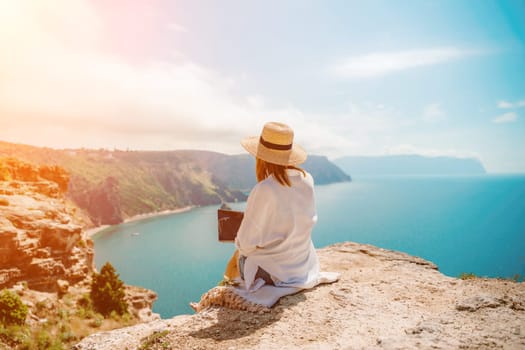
pixel 276 231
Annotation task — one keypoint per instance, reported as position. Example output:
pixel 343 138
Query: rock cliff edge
pixel 41 243
pixel 46 258
pixel 384 299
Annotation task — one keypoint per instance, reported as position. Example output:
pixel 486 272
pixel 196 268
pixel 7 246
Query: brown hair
pixel 264 169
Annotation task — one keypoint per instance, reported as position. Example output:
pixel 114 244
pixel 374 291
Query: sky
pixel 435 78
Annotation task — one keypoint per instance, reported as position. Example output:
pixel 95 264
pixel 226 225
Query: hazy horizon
pixel 244 153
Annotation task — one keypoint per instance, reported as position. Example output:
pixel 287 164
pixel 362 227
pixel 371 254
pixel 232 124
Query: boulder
pixel 140 303
pixel 62 287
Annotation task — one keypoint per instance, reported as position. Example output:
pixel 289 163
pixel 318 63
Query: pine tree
pixel 107 291
pixel 12 309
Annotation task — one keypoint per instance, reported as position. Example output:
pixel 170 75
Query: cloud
pixel 433 113
pixel 59 92
pixel 62 93
pixel 508 117
pixel 68 95
pixel 505 104
pixel 508 105
pixel 176 27
pixel 378 64
pixel 505 118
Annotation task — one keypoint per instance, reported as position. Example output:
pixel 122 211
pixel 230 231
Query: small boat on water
pixel 135 233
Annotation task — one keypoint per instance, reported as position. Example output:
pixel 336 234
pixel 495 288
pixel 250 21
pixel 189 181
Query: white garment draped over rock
pixel 269 295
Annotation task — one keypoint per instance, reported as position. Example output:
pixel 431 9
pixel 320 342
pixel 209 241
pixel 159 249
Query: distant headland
pixel 110 186
pixel 409 165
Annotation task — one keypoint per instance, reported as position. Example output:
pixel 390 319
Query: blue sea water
pixel 462 224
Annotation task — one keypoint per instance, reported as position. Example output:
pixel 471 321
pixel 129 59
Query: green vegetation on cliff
pixel 107 291
pixel 113 185
pixel 12 309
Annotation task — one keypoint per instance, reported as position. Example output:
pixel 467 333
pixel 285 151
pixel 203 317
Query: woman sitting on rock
pixel 274 243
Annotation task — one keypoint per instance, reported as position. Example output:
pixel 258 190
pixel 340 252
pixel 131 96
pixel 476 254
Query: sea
pixel 463 224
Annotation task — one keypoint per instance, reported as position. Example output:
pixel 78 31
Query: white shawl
pixel 275 233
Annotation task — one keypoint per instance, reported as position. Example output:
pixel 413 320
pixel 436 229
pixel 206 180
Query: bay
pixel 462 224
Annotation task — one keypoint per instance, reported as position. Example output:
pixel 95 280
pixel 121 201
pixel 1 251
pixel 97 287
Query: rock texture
pixel 46 258
pixel 39 241
pixel 384 299
pixel 140 303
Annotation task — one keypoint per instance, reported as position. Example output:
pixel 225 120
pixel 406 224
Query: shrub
pixel 107 291
pixel 12 310
pixel 5 174
pixel 14 335
pixel 96 322
pixel 84 313
pixel 467 276
pixel 517 277
pixel 84 301
pixel 66 335
pixel 43 340
pixel 155 339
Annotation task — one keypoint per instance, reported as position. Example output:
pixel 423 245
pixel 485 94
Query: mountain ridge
pixel 113 185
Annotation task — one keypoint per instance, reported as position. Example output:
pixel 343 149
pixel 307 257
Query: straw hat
pixel 275 145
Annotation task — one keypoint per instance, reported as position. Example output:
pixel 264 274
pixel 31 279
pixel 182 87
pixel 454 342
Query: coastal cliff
pixel 47 260
pixel 40 241
pixel 110 186
pixel 384 299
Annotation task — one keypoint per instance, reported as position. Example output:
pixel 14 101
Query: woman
pixel 274 239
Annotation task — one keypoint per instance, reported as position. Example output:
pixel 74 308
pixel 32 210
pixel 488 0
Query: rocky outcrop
pixel 47 259
pixel 384 300
pixel 40 243
pixel 140 303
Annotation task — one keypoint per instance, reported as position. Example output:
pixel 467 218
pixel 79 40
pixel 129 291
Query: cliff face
pixel 39 241
pixel 101 202
pixel 113 185
pixel 46 260
pixel 384 300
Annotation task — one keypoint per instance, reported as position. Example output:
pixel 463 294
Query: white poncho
pixel 275 233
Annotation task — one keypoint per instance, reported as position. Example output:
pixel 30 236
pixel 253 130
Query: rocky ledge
pixel 46 258
pixel 384 299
